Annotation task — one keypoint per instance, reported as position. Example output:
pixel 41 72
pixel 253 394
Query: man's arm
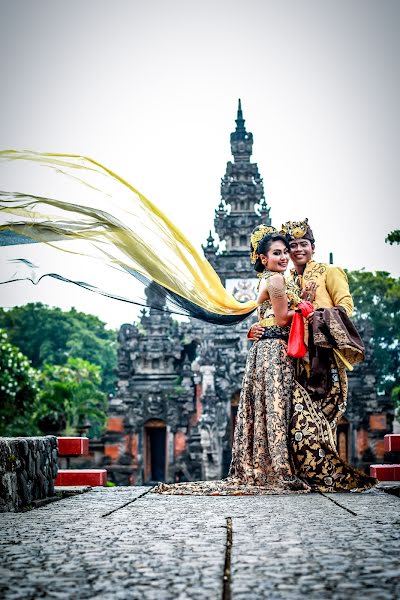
pixel 337 286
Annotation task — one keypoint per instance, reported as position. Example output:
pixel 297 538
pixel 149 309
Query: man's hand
pixel 255 332
pixel 309 291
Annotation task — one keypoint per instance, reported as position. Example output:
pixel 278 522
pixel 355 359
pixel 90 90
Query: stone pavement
pixel 126 543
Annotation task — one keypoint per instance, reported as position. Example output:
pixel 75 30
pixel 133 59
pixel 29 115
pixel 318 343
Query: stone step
pixel 392 442
pixel 73 446
pixel 90 477
pixel 385 472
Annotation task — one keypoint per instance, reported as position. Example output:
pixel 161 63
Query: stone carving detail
pixel 207 372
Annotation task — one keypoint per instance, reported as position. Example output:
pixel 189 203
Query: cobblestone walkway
pixel 125 543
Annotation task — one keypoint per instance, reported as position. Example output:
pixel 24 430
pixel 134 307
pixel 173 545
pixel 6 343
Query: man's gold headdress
pixel 257 235
pixel 297 230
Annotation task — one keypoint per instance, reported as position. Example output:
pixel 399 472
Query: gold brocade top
pixel 333 286
pixel 266 315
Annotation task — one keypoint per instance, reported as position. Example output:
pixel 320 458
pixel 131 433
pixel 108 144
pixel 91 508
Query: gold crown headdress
pixel 256 237
pixel 295 229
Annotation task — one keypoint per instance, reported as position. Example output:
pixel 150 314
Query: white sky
pixel 150 90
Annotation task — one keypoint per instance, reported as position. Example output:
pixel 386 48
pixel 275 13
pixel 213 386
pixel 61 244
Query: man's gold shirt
pixel 333 286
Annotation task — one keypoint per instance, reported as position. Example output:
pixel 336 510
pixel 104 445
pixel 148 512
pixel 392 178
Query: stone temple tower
pixel 241 209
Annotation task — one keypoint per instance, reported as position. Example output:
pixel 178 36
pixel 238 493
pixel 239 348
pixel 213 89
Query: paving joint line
pixel 126 503
pixel 226 588
pixel 338 504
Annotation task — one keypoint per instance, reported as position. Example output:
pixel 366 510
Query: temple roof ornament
pixel 240 127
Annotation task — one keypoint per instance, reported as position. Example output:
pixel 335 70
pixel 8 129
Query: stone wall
pixel 28 467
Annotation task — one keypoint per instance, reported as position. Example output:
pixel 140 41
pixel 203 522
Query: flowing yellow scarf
pixel 69 197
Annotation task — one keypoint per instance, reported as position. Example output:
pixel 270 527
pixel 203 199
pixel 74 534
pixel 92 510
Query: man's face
pixel 301 251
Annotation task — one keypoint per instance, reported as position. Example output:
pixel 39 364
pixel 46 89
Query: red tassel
pixel 305 307
pixel 296 345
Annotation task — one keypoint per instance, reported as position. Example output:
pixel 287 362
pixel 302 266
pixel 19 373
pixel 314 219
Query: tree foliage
pixel 52 336
pixel 377 310
pixel 18 391
pixel 70 395
pixel 393 237
pixel 396 397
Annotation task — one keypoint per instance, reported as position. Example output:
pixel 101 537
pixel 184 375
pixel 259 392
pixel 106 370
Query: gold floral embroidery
pixel 314 271
pixel 293 293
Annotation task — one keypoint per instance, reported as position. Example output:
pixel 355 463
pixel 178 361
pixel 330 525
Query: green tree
pixel 393 237
pixel 70 395
pixel 377 310
pixel 18 391
pixel 50 335
pixel 396 397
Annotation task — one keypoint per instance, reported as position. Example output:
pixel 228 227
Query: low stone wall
pixel 28 467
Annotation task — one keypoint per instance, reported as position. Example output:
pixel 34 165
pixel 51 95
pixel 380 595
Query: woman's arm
pixel 279 300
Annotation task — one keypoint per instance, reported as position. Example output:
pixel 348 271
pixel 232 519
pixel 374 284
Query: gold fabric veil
pixel 74 198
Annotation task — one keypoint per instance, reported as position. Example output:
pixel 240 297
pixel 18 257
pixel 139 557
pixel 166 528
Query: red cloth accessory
pixel 296 345
pixel 305 307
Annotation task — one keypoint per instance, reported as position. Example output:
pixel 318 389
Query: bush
pixel 18 391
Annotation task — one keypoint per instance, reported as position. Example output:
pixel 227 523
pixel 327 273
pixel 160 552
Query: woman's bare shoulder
pixel 277 280
pixel 276 286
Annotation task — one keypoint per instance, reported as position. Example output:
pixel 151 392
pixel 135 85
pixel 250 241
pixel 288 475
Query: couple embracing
pixel 285 435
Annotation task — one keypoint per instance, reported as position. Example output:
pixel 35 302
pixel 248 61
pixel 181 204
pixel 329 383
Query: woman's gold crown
pixel 257 236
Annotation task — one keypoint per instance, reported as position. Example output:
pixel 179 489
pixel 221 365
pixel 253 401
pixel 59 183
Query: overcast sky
pixel 150 90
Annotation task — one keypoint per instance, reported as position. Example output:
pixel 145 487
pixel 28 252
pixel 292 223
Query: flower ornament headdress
pixel 297 229
pixel 257 235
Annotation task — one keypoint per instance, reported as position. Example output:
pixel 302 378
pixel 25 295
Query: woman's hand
pixel 308 293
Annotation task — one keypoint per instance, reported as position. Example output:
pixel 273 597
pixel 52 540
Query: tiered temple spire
pixel 242 206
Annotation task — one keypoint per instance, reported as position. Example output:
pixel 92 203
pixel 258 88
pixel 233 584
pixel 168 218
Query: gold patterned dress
pixel 284 441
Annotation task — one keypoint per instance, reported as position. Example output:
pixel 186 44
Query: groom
pixel 329 283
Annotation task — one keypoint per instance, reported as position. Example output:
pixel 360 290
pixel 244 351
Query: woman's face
pixel 277 257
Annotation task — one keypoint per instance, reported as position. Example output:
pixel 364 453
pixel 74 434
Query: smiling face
pixel 301 251
pixel 277 257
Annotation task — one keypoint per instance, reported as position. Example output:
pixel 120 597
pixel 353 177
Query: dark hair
pixel 264 245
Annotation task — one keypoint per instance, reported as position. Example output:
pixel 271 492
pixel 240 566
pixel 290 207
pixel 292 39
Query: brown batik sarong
pixel 319 400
